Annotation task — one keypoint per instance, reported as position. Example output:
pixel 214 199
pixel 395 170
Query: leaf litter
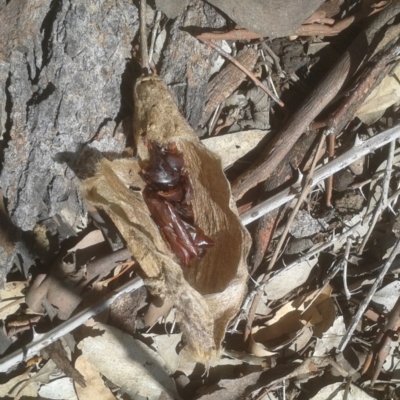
pixel 294 328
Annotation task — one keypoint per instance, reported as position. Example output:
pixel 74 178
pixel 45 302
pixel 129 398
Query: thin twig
pixel 304 193
pixel 383 201
pixel 329 181
pixel 143 37
pixel 277 149
pixel 364 304
pixel 258 291
pixel 154 35
pixel 344 263
pixel 244 69
pixel 44 340
pixel 357 151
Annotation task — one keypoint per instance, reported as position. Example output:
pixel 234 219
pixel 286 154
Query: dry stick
pixel 143 36
pixel 317 250
pixel 324 93
pixel 345 262
pixel 391 326
pixel 244 69
pixel 303 195
pixel 359 150
pixel 45 339
pixel 153 35
pixel 383 201
pixel 364 304
pixel 329 181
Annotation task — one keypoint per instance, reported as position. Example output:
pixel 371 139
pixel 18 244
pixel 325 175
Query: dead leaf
pixel 61 388
pixel 209 293
pixel 12 291
pixel 335 391
pixel 128 363
pixel 330 339
pixel 381 98
pixel 233 146
pixel 386 297
pixel 16 383
pixel 284 281
pixel 314 309
pixel 95 388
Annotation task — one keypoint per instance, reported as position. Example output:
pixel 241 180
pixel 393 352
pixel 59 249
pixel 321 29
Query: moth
pixel 168 194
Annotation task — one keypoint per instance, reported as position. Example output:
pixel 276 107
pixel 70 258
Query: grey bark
pixel 66 79
pixel 61 68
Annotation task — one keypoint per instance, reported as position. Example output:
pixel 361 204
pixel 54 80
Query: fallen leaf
pixel 12 291
pixel 208 294
pixel 58 389
pixel 14 384
pixel 314 309
pixel 128 363
pixel 95 388
pixel 233 146
pixel 335 391
pixel 166 346
pixel 330 339
pixel 381 98
pixel 284 281
pixel 386 298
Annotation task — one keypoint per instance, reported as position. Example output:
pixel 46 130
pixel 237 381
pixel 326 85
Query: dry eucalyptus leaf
pixel 335 391
pixel 386 297
pixel 381 98
pixel 209 292
pixel 95 387
pixel 284 281
pixel 233 146
pixel 314 309
pixel 330 339
pixel 8 389
pixel 8 295
pixel 166 347
pixel 61 388
pixel 128 363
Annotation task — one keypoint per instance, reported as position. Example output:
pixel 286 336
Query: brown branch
pixel 327 89
pixel 244 69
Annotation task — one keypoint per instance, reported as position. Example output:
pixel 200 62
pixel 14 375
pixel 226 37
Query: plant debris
pixel 203 208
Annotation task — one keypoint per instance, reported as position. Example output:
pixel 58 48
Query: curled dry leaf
pixel 314 309
pixel 207 293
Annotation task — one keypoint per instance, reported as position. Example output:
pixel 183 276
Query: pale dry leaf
pixel 128 363
pixel 375 187
pixel 42 376
pixel 301 341
pixel 358 234
pixel 381 98
pixel 233 146
pixel 386 298
pixel 284 281
pixel 330 339
pixel 95 388
pixel 166 347
pixel 58 389
pixel 208 294
pixel 314 309
pixel 12 386
pixel 92 238
pixel 12 291
pixel 335 391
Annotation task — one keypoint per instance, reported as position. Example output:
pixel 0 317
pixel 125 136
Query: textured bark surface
pixel 66 81
pixel 186 61
pixel 61 67
pixel 272 18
